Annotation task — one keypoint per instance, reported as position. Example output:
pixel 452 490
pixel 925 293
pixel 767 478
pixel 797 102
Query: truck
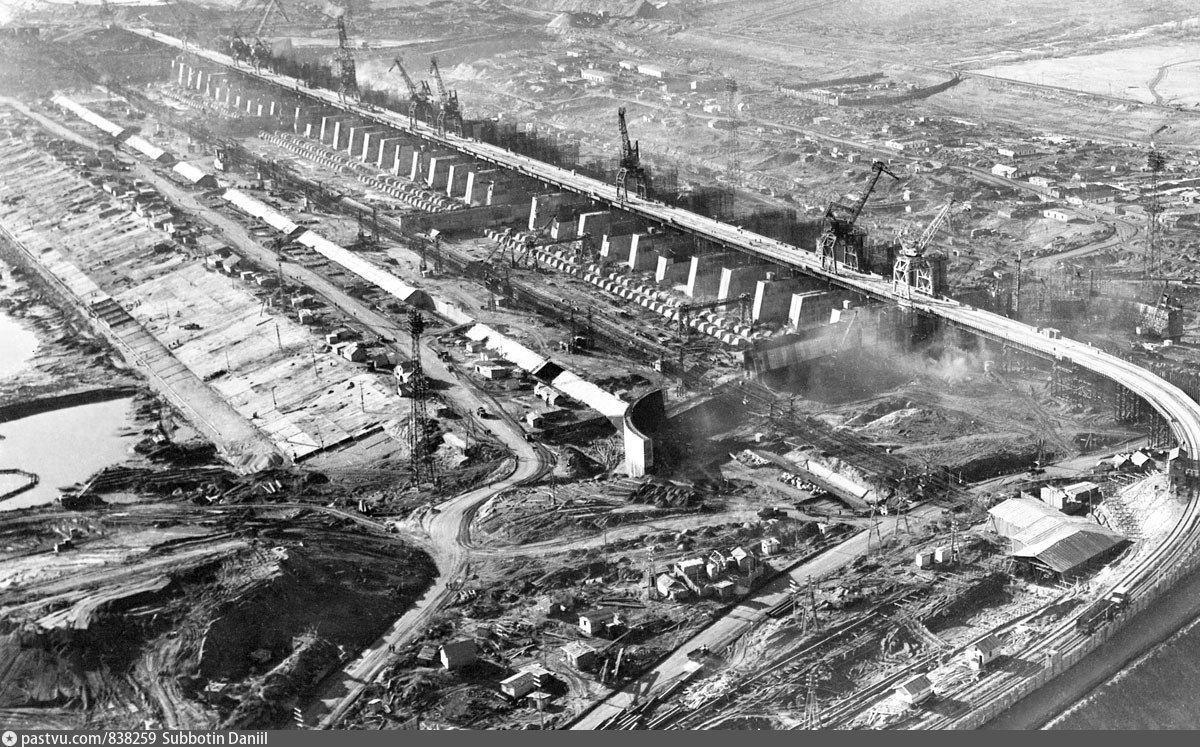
pixel 1098 613
pixel 1119 597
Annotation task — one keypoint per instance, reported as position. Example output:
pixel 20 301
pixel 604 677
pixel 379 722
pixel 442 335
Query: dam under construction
pixel 813 418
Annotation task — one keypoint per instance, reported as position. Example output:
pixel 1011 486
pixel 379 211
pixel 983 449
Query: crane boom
pixel 878 169
pixel 437 76
pixel 934 225
pixel 630 153
pixel 343 41
pixel 269 6
pixel 408 81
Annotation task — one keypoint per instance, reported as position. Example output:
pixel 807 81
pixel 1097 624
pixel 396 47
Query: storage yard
pixel 608 375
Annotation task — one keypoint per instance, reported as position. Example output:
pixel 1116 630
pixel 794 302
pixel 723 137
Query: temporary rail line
pixel 1149 576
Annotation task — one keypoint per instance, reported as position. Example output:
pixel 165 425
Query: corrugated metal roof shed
pixel 260 210
pixel 1018 514
pixel 148 149
pixel 89 116
pixel 1070 545
pixel 365 270
pixel 195 175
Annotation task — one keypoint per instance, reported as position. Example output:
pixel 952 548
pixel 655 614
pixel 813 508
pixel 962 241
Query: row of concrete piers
pixel 618 240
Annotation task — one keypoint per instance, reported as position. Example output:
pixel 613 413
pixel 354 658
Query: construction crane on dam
pixel 838 227
pixel 914 270
pixel 631 164
pixel 449 113
pixel 344 60
pixel 418 98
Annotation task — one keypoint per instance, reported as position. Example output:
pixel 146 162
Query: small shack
pixel 518 685
pixel 593 623
pixel 983 651
pixel 579 654
pixel 458 654
pixel 914 690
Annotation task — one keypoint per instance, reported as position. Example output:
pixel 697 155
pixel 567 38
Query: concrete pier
pixel 704 274
pixel 738 280
pixel 773 297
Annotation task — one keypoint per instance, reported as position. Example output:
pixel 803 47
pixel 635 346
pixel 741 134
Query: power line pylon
pixel 804 605
pixel 420 464
pixel 901 517
pixel 812 706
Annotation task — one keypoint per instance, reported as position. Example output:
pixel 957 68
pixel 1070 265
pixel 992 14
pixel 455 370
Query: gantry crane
pixel 838 226
pixel 418 98
pixel 683 316
pixel 913 270
pixel 449 113
pixel 631 164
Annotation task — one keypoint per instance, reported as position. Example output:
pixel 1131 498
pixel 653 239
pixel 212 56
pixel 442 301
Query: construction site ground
pixel 578 535
pixel 182 617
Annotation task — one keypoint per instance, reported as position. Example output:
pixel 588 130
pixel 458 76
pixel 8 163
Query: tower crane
pixel 913 270
pixel 347 72
pixel 449 114
pixel 631 164
pixel 418 98
pixel 838 225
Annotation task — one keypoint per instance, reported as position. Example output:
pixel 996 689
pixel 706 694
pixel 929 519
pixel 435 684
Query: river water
pixel 62 446
pixel 17 346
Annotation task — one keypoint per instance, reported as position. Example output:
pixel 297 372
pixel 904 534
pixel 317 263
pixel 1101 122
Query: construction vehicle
pixel 449 115
pixel 1098 613
pixel 419 104
pixel 916 271
pixel 631 164
pixel 838 227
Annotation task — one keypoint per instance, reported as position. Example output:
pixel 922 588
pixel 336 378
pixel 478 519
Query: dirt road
pixel 447 528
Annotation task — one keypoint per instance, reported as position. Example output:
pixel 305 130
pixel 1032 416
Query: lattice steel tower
pixel 733 154
pixel 422 467
pixel 1155 161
